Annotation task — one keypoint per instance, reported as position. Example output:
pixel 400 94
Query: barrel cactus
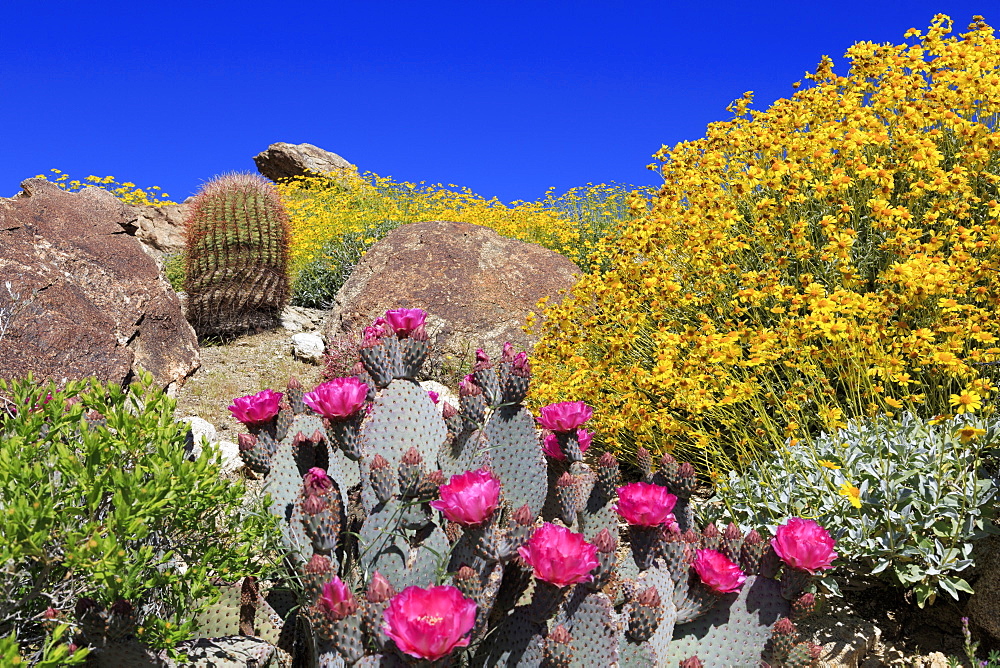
pixel 237 238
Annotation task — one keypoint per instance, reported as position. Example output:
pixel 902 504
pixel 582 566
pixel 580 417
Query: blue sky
pixel 505 98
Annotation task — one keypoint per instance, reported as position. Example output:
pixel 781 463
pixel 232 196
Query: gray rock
pixel 308 347
pixel 298 318
pixel 283 161
pixel 200 429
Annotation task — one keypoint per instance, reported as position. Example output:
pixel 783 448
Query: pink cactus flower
pixel 718 573
pixel 429 623
pixel 470 498
pixel 564 416
pixel 552 449
pixel 337 399
pixel 645 505
pixel 804 545
pixel 405 320
pixel 256 409
pixel 559 556
pixel 316 481
pixel 337 600
pixel 435 397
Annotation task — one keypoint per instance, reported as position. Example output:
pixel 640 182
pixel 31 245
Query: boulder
pixel 92 302
pixel 984 606
pixel 159 228
pixel 283 161
pixel 476 286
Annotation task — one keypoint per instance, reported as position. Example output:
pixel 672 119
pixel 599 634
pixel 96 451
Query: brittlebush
pixel 836 255
pixel 367 205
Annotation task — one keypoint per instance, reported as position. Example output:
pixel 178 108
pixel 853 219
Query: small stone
pixel 308 347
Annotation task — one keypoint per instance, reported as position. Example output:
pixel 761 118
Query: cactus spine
pixel 237 237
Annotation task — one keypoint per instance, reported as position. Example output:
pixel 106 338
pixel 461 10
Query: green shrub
pixel 113 508
pixel 173 270
pixel 904 499
pixel 317 283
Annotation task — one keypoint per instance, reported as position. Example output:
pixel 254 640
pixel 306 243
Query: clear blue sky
pixel 506 98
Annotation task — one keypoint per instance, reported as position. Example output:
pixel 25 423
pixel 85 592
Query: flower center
pixel 430 619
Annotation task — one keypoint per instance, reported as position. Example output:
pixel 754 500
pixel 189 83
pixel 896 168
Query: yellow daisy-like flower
pixel 852 493
pixel 938 419
pixel 966 402
pixel 825 463
pixel 966 434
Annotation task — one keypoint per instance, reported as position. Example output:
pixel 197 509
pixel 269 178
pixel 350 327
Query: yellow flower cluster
pixel 836 255
pixel 127 192
pixel 323 209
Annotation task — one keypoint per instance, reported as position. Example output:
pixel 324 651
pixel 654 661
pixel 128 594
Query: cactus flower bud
pixel 692 662
pixel 470 498
pixel 482 361
pixel 784 626
pixel 404 320
pixel 256 409
pixel 507 354
pixel 804 545
pixel 605 542
pixel 467 387
pixel 316 481
pixel 717 572
pixel 564 416
pixel 559 556
pixel 419 333
pixel 523 516
pixel 313 504
pixel 246 442
pixel 560 635
pixel 318 564
pixel 337 399
pixel 650 598
pixel 447 410
pixel 337 600
pixel 732 532
pixel 429 623
pixel 412 458
pixel 645 505
pixel 379 590
pixel 521 366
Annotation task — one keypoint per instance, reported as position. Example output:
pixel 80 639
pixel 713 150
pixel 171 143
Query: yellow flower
pixel 825 463
pixel 966 402
pixel 966 434
pixel 852 493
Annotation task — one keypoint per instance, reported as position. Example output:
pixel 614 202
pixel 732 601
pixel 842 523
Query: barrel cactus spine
pixel 236 240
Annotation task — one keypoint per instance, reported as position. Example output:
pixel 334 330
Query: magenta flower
pixel 337 600
pixel 564 416
pixel 645 505
pixel 552 449
pixel 405 320
pixel 804 545
pixel 559 556
pixel 257 408
pixel 470 498
pixel 718 573
pixel 316 481
pixel 429 623
pixel 337 399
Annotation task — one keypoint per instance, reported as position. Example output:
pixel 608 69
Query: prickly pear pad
pixel 516 457
pixel 403 416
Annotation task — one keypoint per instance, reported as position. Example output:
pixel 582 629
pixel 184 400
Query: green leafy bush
pixel 318 282
pixel 904 499
pixel 112 507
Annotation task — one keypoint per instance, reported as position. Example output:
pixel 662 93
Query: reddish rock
pixel 92 301
pixel 476 286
